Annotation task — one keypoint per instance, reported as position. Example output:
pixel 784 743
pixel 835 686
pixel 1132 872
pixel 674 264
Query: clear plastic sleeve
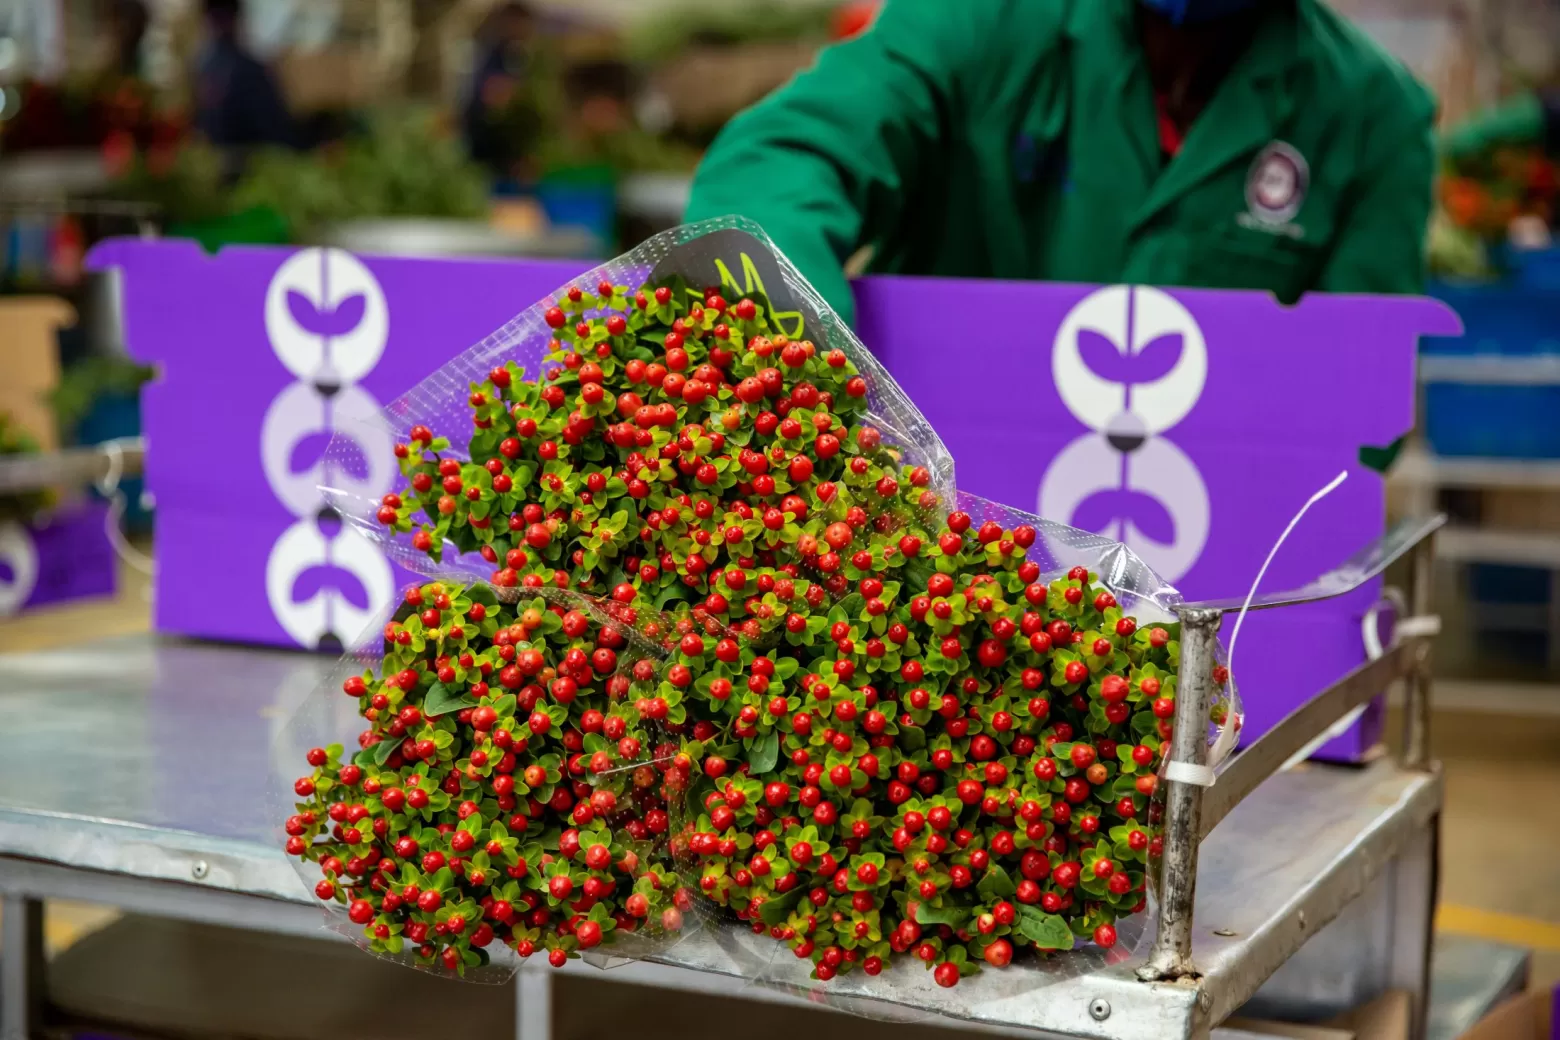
pixel 885 724
pixel 502 797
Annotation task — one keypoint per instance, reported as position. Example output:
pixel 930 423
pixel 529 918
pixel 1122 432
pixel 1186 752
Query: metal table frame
pixel 1192 811
pixel 1375 850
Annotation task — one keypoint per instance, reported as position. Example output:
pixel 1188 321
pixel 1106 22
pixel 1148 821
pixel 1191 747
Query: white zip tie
pixel 1224 743
pixel 109 488
pixel 1370 631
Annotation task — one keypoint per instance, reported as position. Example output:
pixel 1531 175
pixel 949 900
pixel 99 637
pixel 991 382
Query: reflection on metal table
pixel 137 775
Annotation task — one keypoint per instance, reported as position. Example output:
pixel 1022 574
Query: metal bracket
pixel 1185 822
pixel 1171 957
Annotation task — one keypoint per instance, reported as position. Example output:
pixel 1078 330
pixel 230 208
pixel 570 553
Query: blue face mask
pixel 1190 12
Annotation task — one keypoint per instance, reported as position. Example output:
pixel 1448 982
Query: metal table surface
pixel 137 773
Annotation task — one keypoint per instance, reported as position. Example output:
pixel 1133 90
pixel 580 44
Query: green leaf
pixel 383 750
pixel 670 593
pixel 995 884
pixel 777 908
pixel 912 737
pixel 1047 931
pixel 763 754
pixel 851 605
pixel 442 699
pixel 952 916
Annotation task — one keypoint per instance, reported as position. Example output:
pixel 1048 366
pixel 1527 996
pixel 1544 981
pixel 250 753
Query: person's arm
pixel 826 163
pixel 1382 245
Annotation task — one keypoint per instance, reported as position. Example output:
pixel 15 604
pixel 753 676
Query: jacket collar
pixel 1243 115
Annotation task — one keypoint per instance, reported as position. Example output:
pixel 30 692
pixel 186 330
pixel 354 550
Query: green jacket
pixel 1018 139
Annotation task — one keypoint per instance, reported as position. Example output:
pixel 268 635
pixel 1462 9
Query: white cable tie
pixel 116 536
pixel 1414 627
pixel 1370 624
pixel 1186 773
pixel 116 468
pixel 1229 729
pixel 108 487
pixel 1370 629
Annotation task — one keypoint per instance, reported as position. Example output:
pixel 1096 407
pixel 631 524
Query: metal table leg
pixel 533 1010
pixel 1415 879
pixel 1171 956
pixel 21 967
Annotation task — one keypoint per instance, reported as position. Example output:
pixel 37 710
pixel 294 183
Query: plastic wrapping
pixel 508 719
pixel 881 720
pixel 731 254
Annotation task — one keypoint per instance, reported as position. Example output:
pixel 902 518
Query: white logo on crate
pixel 301 412
pixel 327 321
pixel 1130 363
pixel 304 546
pixel 19 556
pixel 337 288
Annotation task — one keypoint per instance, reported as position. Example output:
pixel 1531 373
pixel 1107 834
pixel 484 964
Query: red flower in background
pixel 118 150
pixel 854 18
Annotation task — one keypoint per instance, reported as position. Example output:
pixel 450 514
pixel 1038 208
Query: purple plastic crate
pixel 64 555
pixel 1190 423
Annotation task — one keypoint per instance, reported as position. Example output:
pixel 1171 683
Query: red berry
pixel 998 954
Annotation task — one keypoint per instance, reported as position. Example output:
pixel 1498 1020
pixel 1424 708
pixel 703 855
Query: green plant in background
pixel 401 162
pixel 83 384
pixel 304 189
pixel 182 185
pixel 404 163
pixel 630 149
pixel 23 505
pixel 1455 252
pixel 661 36
pixel 411 164
pixel 591 128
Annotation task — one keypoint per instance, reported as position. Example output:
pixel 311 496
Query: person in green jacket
pixel 1261 144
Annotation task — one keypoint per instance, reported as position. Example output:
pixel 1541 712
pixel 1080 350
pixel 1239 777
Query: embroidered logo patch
pixel 1276 184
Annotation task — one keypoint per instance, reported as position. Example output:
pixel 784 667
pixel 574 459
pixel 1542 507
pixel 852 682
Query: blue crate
pixel 1502 318
pixel 1517 318
pixel 1495 420
pixel 1534 268
pixel 591 207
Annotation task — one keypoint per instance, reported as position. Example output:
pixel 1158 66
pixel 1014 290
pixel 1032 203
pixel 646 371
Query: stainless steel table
pixel 135 774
